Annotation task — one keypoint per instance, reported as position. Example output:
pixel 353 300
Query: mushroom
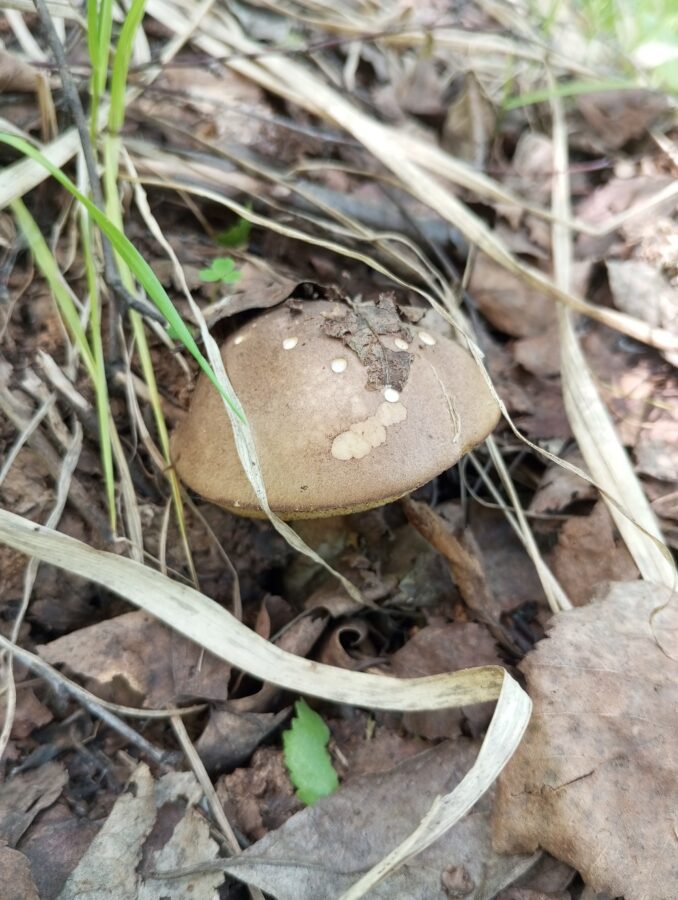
pixel 350 408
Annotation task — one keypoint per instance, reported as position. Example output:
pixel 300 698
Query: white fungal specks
pixel 238 339
pixel 426 338
pixel 391 395
pixel 362 437
pixel 290 343
pixel 338 365
pixel 400 344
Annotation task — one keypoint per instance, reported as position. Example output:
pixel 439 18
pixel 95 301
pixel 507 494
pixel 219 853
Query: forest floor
pixel 511 182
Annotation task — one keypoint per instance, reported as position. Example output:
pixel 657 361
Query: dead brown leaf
pixel 259 798
pixel 464 558
pixel 348 646
pixel 230 738
pixel 322 850
pixel 508 570
pixel 25 795
pixel 558 487
pixel 641 290
pixel 620 116
pixel 30 713
pixel 595 779
pixel 539 353
pixel 260 287
pixel 470 119
pixel 656 450
pixel 109 866
pixel 616 196
pixel 589 551
pixel 134 659
pixel 15 876
pixel 507 302
pixel 16 75
pixel 363 328
pixel 367 746
pixel 55 844
pixel 446 648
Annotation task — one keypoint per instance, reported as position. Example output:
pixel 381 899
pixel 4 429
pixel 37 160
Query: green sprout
pixel 306 757
pixel 223 270
pixel 237 235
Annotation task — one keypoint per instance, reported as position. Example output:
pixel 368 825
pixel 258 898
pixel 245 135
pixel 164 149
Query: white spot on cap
pixel 426 338
pixel 391 395
pixel 290 343
pixel 338 365
pixel 362 437
pixel 238 339
pixel 371 430
pixel 349 445
pixel 390 414
pixel 401 344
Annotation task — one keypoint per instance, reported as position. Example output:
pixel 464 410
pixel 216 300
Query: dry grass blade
pixel 68 467
pixel 605 457
pixel 447 810
pixel 205 622
pixel 57 10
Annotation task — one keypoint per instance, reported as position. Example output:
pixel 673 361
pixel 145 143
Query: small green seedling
pixel 306 757
pixel 222 269
pixel 237 235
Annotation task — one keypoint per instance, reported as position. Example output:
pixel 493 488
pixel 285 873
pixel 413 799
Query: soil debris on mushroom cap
pixel 330 439
pixel 363 329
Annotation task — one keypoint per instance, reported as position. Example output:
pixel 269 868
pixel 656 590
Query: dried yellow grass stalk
pixel 605 456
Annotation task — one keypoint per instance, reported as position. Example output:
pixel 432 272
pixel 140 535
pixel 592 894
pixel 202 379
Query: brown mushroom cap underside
pixel 305 397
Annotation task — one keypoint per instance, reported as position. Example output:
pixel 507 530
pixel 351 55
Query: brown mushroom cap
pixel 327 444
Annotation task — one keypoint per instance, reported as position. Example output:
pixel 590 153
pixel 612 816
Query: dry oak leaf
pixel 595 780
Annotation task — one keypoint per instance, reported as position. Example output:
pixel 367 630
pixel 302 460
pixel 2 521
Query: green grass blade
pixel 132 258
pixel 99 27
pixel 49 268
pixel 569 89
pixel 123 54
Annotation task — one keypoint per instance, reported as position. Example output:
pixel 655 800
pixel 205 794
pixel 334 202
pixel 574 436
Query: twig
pixel 59 683
pixel 463 558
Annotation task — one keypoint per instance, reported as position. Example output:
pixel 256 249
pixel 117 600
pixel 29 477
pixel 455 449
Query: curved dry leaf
pixel 595 781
